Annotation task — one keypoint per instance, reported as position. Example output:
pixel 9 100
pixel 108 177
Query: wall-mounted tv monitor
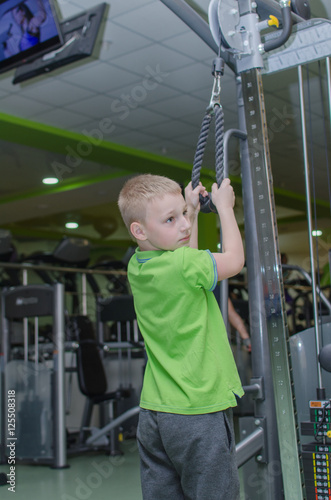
pixel 28 29
pixel 80 34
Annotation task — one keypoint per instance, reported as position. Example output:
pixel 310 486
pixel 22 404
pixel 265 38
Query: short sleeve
pixel 198 268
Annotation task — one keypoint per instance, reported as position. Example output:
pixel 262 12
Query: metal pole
pixel 4 357
pixel 5 343
pixel 198 25
pixel 36 342
pixel 25 277
pixel 309 220
pixel 328 72
pixel 114 423
pixel 224 285
pixel 60 455
pixel 3 400
pixel 249 446
pixel 193 21
pixel 84 295
pixel 25 323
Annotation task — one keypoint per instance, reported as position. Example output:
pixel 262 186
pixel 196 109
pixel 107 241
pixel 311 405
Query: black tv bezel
pixel 36 51
pixel 80 33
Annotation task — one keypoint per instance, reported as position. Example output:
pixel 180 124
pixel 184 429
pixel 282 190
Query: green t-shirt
pixel 190 369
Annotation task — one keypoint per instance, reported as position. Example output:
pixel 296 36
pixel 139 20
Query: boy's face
pixel 166 226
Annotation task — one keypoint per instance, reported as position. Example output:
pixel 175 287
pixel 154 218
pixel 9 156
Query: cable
pixel 314 194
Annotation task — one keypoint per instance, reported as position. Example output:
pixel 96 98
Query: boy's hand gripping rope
pixel 214 108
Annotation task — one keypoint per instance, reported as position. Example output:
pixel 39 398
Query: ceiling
pixel 94 123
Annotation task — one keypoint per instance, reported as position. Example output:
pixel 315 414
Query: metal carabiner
pixel 215 99
pixel 218 71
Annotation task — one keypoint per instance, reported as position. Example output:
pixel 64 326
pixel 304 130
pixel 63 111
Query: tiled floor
pixel 93 476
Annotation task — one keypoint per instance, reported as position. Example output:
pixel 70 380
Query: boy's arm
pixel 193 209
pixel 232 259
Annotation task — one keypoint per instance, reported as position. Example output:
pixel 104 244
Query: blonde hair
pixel 140 190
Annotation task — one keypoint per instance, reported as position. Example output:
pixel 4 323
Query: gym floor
pixel 94 476
pixel 90 476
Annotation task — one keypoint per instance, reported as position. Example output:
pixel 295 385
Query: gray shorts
pixel 187 457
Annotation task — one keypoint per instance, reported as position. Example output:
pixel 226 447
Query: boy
pixel 185 434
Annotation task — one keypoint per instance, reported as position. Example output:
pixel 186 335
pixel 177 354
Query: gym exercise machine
pixel 38 390
pixel 269 452
pixel 41 329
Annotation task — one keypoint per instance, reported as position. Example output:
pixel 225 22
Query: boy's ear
pixel 137 231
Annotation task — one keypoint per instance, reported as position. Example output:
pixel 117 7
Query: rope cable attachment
pixel 214 109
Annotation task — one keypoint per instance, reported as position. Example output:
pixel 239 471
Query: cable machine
pixel 271 450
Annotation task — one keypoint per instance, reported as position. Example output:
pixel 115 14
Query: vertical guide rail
pixel 264 407
pixel 264 208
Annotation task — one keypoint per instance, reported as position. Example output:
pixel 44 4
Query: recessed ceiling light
pixel 50 180
pixel 72 225
pixel 317 232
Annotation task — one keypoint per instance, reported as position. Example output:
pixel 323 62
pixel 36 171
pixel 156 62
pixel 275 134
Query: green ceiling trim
pixel 289 199
pixel 129 160
pixel 292 219
pixel 62 187
pixel 79 147
pixel 298 197
pixel 39 234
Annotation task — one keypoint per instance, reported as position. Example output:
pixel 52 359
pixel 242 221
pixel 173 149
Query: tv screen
pixel 27 29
